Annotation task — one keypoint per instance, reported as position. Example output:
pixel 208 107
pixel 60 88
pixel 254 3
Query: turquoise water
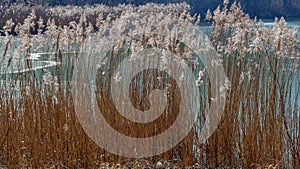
pixel 206 28
pixel 40 61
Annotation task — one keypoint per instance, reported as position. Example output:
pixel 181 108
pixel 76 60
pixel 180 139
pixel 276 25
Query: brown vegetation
pixel 259 128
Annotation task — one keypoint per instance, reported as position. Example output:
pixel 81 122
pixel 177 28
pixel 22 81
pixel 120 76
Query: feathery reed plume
pixel 38 124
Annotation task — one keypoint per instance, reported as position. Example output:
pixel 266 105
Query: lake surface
pixel 206 27
pixel 40 61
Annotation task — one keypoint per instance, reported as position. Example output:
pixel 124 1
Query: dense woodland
pixel 260 8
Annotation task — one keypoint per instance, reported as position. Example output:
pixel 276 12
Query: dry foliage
pixel 260 126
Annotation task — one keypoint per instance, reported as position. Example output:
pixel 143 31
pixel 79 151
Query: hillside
pixel 260 8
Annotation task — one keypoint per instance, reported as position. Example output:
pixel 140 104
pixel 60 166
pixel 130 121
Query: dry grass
pixel 259 128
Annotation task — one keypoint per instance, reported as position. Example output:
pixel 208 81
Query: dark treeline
pixel 260 8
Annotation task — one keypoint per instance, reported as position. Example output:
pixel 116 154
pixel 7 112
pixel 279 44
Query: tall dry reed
pixel 259 127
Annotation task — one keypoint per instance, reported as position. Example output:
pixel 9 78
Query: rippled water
pixel 41 60
pixel 36 62
pixel 206 28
